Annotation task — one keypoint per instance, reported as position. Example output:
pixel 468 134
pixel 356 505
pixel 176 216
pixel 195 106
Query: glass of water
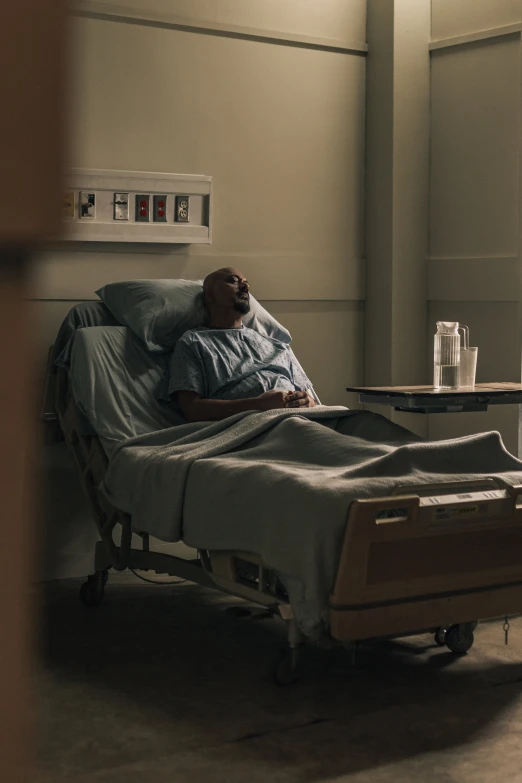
pixel 468 367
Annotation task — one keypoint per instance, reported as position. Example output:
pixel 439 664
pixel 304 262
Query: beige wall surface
pixel 281 131
pixel 475 103
pixel 342 20
pixel 474 270
pixel 458 17
pixel 274 126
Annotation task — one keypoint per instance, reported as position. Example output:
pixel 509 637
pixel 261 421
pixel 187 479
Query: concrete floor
pixel 161 684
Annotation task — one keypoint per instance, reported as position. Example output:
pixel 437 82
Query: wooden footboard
pixel 429 561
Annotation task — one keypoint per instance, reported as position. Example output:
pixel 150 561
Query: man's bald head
pixel 226 295
pixel 211 279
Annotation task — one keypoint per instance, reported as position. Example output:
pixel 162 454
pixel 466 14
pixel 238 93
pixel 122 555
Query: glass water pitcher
pixel 446 356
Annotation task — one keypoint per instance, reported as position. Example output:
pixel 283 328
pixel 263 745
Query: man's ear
pixel 207 296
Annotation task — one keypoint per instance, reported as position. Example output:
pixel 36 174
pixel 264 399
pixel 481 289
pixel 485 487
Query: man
pixel 227 368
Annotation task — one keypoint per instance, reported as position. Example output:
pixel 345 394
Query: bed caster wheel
pixel 440 637
pixel 286 671
pixel 93 590
pixel 459 638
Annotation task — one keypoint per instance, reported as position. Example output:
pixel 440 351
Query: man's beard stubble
pixel 242 306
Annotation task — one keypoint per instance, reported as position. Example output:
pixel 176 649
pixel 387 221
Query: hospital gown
pixel 232 364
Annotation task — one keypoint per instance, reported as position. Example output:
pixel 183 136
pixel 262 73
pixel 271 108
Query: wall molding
pixel 480 35
pixel 474 279
pixel 92 9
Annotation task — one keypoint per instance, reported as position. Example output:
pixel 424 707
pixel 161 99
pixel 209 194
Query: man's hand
pixel 300 399
pixel 196 408
pixel 271 400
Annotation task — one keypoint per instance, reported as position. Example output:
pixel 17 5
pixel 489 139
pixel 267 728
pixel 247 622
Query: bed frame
pixel 433 558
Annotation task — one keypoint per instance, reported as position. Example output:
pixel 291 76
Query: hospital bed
pixel 431 558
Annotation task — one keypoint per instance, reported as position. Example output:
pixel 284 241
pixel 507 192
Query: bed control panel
pixel 454 512
pixel 466 508
pixel 106 205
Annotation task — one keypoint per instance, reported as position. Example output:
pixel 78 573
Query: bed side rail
pixel 419 561
pixel 92 463
pixel 47 415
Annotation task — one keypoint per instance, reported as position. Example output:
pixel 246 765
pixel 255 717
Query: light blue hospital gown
pixel 232 364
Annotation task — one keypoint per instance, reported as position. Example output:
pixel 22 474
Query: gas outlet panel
pixel 121 206
pixel 68 204
pixel 137 206
pixel 87 205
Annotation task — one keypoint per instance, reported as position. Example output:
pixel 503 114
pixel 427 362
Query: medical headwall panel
pixel 103 205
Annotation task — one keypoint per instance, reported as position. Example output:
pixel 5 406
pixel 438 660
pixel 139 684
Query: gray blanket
pixel 280 484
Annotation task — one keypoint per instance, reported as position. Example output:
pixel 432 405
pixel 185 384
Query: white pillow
pixel 159 312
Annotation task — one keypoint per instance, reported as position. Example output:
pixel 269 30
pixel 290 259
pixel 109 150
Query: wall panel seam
pixel 110 13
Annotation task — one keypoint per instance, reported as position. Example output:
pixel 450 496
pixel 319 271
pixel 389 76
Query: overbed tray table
pixel 427 399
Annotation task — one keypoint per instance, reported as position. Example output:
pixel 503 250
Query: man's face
pixel 231 291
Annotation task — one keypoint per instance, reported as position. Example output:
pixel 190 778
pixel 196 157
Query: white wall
pixel 281 130
pixel 474 260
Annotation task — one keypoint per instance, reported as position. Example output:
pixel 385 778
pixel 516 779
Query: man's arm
pixel 197 408
pixel 301 380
